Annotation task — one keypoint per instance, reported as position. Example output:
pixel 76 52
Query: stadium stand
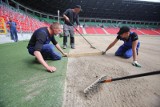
pixel 25 23
pixel 99 30
pixel 149 31
pixel 137 31
pixel 29 23
pixel 157 30
pixel 112 30
pixel 90 30
pixel 80 30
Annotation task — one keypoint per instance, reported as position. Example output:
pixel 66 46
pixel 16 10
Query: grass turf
pixel 25 83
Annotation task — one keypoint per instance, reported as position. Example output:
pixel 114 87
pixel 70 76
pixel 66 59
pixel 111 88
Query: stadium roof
pixel 108 9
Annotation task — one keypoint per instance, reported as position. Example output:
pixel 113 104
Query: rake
pixel 83 37
pixel 95 86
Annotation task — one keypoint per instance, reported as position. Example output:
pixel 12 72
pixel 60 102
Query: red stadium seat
pixel 112 30
pixel 80 30
pixel 137 31
pixel 148 31
pixel 24 22
pixel 90 30
pixel 99 30
pixel 157 30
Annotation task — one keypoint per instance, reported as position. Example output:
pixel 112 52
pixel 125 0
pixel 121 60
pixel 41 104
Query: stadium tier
pixel 25 23
pixel 112 30
pixel 90 30
pixel 99 30
pixel 137 31
pixel 158 31
pixel 149 31
pixel 80 30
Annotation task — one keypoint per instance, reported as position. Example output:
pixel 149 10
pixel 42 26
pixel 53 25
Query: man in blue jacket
pixel 13 30
pixel 130 46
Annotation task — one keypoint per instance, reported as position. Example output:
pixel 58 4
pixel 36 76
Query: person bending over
pixel 39 46
pixel 130 46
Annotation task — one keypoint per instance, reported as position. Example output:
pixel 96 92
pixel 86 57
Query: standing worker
pixel 130 46
pixel 13 30
pixel 70 16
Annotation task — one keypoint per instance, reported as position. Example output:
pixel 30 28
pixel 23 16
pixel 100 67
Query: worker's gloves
pixel 136 64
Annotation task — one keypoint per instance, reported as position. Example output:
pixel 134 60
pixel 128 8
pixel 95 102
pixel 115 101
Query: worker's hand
pixel 65 54
pixel 136 64
pixel 51 68
pixel 103 52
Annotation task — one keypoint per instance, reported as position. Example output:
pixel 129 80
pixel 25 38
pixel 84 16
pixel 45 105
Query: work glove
pixel 136 64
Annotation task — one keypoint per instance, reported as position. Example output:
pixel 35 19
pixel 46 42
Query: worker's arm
pixel 77 22
pixel 134 50
pixel 65 15
pixel 134 46
pixel 8 24
pixel 60 49
pixel 66 18
pixel 111 45
pixel 38 55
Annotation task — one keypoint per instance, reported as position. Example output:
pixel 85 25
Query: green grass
pixel 25 83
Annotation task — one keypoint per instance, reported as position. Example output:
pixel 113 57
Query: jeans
pixel 47 51
pixel 14 35
pixel 125 51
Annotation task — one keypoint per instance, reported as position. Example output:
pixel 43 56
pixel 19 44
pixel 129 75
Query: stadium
pixel 104 53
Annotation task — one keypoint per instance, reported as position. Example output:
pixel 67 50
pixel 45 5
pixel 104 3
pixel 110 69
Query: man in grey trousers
pixel 70 16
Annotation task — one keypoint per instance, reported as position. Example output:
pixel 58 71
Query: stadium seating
pixel 157 30
pixel 25 23
pixel 137 31
pixel 99 30
pixel 149 32
pixel 80 30
pixel 90 30
pixel 112 30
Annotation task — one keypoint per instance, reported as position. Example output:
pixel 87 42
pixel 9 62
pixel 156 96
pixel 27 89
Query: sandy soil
pixel 139 92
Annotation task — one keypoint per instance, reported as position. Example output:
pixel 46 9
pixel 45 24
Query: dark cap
pixel 78 6
pixel 123 29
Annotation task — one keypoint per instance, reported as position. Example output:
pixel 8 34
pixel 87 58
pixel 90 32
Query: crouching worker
pixel 40 48
pixel 130 46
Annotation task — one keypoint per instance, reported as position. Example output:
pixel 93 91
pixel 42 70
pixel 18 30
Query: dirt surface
pixel 139 92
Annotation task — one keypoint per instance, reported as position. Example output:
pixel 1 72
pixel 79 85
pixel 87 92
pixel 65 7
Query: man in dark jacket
pixel 70 16
pixel 40 48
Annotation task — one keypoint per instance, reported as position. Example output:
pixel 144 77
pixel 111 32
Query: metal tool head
pixel 93 47
pixel 103 52
pixel 94 87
